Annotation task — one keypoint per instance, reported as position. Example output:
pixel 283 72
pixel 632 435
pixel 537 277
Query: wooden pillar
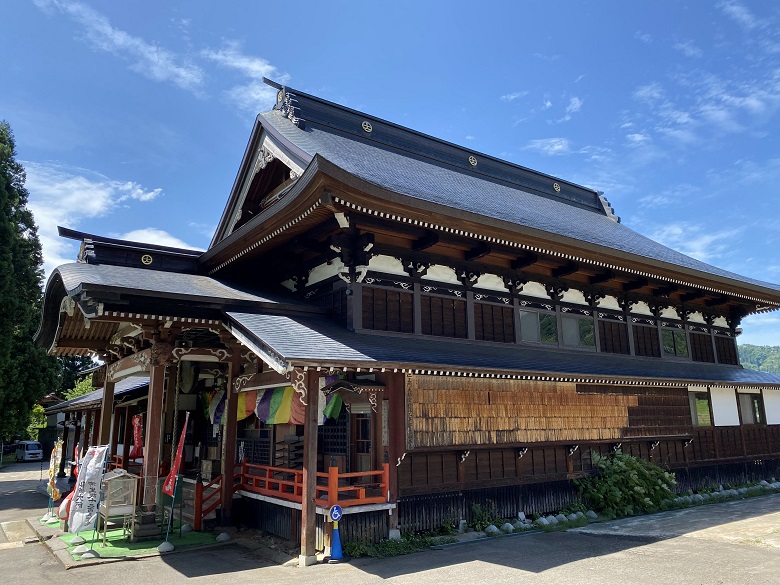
pixel 65 432
pixel 395 391
pixel 95 434
pixel 309 499
pixel 126 434
pixel 114 439
pixel 107 409
pixel 152 435
pixel 229 436
pixel 87 430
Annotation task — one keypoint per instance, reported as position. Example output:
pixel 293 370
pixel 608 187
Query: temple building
pixel 405 327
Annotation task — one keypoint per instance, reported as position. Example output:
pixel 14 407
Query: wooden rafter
pixel 423 243
pixel 635 284
pixel 565 270
pixel 479 251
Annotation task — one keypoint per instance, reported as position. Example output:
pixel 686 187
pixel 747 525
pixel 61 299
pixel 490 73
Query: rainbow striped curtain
pixel 274 405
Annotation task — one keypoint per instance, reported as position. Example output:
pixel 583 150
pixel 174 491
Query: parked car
pixel 29 451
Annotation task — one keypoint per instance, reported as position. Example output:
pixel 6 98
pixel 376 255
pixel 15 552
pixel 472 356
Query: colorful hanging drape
pixel 274 405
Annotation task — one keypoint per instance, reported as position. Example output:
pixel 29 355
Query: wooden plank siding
pixel 494 323
pixel 701 347
pixel 442 316
pixel 388 310
pixel 726 349
pixel 613 337
pixel 646 341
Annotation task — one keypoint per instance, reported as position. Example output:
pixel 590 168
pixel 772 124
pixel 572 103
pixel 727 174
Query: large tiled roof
pixel 94 398
pixel 412 166
pixel 319 341
pixel 78 276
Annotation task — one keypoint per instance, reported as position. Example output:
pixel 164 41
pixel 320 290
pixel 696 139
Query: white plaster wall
pixel 535 289
pixel 491 282
pixel 720 322
pixel 670 313
pixel 609 302
pixel 387 265
pixel 772 406
pixel 441 273
pixel 574 296
pixel 696 317
pixel 641 308
pixel 324 271
pixel 724 407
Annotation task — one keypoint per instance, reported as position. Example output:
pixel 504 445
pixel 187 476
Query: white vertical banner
pixel 84 507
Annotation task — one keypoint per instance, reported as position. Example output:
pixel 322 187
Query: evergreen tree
pixel 26 372
pixel 71 371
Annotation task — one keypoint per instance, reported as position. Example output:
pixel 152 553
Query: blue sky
pixel 131 117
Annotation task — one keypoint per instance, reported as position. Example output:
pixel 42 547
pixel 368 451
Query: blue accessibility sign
pixel 336 513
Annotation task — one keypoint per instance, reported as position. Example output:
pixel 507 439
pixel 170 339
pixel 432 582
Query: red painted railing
pixel 206 505
pixel 346 489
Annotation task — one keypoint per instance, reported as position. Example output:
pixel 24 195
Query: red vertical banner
pixel 170 481
pixel 138 441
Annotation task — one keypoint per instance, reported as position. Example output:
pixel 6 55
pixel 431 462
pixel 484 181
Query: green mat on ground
pixel 117 546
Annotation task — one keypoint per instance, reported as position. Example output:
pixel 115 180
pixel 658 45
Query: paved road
pixel 694 546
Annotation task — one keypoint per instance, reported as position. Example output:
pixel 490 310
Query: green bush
pixel 409 543
pixel 625 485
pixel 484 516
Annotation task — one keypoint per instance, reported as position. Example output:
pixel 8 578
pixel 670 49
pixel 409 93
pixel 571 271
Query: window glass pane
pixel 757 408
pixel 667 339
pixel 548 329
pixel 680 344
pixel 529 326
pixel 578 331
pixel 703 409
pixel 571 331
pixel 587 333
pixel 746 409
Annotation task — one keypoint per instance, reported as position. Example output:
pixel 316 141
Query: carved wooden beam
pixel 717 301
pixel 692 296
pixel 565 270
pixel 602 277
pixel 483 249
pixel 555 292
pixel 635 284
pixel 666 290
pixel 525 260
pixel 426 241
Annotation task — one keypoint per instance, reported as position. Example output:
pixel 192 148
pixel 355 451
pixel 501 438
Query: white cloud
pixel 650 92
pixel 156 236
pixel 646 38
pixel 547 104
pixel 689 49
pixel 65 196
pixel 510 97
pixel 761 329
pixel 637 139
pixel 575 105
pixel 549 146
pixel 739 14
pixel 470 137
pixel 148 59
pixel 204 229
pixel 253 95
pixel 695 241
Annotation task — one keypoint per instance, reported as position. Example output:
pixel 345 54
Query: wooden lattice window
pixel 388 310
pixel 613 337
pixel 646 341
pixel 701 347
pixel 726 348
pixel 494 323
pixel 443 316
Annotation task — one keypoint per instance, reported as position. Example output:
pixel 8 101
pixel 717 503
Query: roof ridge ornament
pixel 285 103
pixel 608 209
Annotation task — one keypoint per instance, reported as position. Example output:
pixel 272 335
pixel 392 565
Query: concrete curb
pixel 50 537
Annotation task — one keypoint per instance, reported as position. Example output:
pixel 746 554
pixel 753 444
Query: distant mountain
pixel 764 358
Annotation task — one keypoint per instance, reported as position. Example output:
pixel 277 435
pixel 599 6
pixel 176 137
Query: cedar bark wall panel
pixel 447 412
